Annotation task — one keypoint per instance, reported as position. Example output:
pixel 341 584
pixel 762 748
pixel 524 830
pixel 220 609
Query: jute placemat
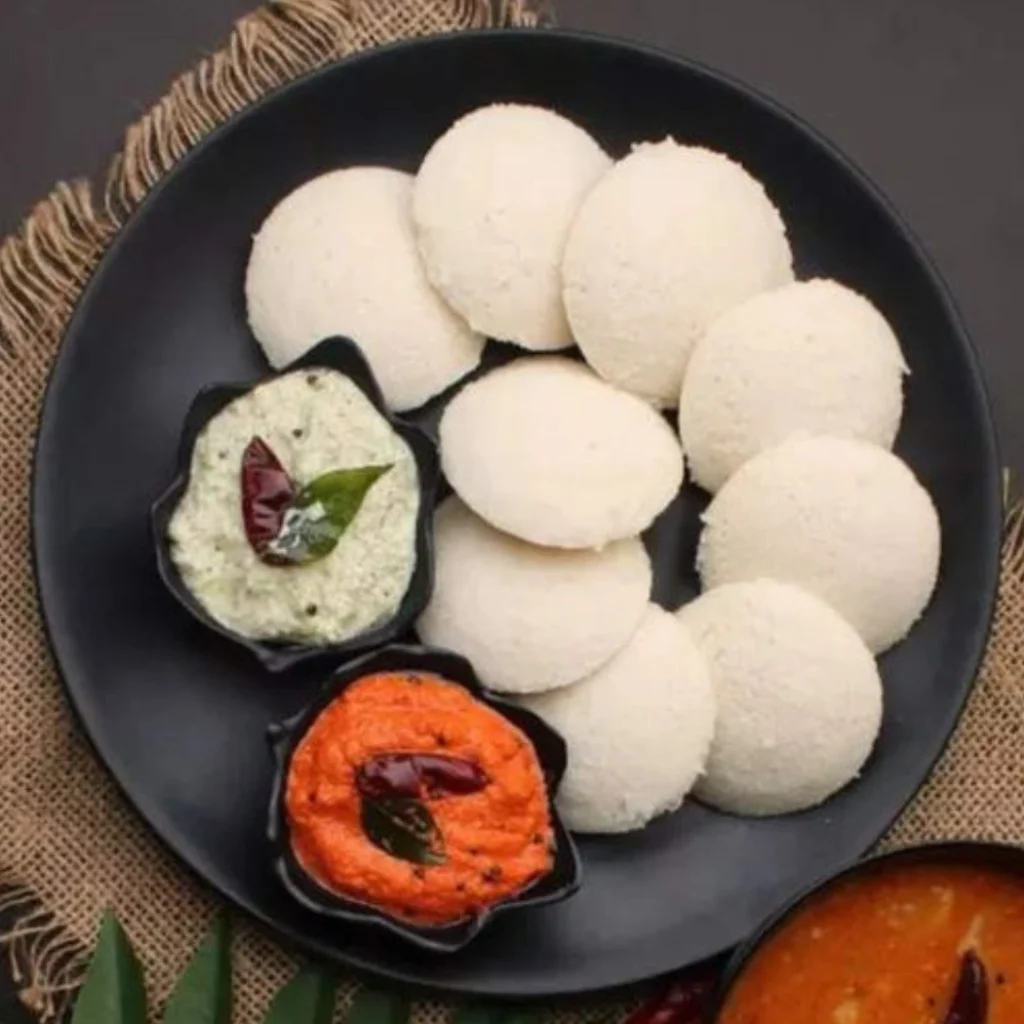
pixel 69 846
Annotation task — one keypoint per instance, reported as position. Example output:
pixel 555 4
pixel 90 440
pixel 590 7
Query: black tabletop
pixel 926 95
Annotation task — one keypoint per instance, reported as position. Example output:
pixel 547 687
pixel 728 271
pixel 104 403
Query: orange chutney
pixel 886 948
pixel 497 840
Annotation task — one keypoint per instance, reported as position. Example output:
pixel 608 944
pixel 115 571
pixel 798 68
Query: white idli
pixel 545 450
pixel 338 256
pixel 845 519
pixel 493 202
pixel 638 730
pixel 668 240
pixel 798 695
pixel 529 618
pixel 811 357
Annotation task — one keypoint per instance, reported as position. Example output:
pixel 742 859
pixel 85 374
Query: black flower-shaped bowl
pixel 342 355
pixel 558 884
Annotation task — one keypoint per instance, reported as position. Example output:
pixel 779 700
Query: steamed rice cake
pixel 669 239
pixel 530 619
pixel 845 519
pixel 811 357
pixel 338 257
pixel 546 451
pixel 638 730
pixel 493 202
pixel 798 694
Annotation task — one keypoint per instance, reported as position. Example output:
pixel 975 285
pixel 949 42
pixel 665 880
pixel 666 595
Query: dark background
pixel 926 95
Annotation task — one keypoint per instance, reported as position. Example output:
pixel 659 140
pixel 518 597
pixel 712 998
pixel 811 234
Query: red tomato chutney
pixel 410 795
pixel 888 948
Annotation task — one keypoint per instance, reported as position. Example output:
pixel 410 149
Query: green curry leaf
pixel 114 991
pixel 404 828
pixel 321 513
pixel 307 999
pixel 372 1007
pixel 203 992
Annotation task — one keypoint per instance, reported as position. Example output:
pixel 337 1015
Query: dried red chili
pixel 970 999
pixel 413 775
pixel 686 1001
pixel 268 492
pixel 289 526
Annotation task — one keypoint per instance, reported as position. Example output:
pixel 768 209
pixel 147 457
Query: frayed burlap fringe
pixel 44 960
pixel 69 846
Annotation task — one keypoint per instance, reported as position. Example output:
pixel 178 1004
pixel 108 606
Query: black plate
pixel 179 715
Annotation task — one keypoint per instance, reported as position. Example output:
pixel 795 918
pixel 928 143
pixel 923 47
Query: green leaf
pixel 489 1013
pixel 404 828
pixel 203 992
pixel 114 991
pixel 372 1007
pixel 321 513
pixel 307 999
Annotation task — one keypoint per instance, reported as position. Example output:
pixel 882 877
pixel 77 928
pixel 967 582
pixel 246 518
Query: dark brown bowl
pixel 996 856
pixel 342 355
pixel 558 884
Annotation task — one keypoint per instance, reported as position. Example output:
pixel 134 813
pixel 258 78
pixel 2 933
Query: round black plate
pixel 179 715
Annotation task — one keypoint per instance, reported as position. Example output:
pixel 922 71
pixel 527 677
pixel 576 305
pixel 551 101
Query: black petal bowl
pixel 342 355
pixel 558 884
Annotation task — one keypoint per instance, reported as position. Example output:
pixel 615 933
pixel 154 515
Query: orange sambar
pixel 886 948
pixel 497 841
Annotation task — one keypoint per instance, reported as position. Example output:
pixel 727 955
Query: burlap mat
pixel 68 844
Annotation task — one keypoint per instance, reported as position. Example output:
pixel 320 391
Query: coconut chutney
pixel 316 422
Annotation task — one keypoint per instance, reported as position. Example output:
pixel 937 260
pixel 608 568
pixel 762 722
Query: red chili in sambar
pixel 434 855
pixel 887 948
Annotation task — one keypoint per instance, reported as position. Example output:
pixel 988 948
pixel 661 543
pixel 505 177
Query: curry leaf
pixel 321 513
pixel 114 991
pixel 372 1007
pixel 307 999
pixel 203 992
pixel 404 828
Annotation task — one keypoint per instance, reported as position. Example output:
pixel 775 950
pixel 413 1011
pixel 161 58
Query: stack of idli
pixel 820 548
pixel 672 272
pixel 543 582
